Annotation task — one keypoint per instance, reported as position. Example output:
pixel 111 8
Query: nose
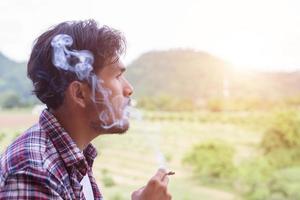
pixel 128 89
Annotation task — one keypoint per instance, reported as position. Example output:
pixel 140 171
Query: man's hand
pixel 156 189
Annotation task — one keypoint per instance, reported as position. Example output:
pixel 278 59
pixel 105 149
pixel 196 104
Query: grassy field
pixel 126 162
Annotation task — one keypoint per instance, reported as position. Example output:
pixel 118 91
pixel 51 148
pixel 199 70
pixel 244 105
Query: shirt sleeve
pixel 27 186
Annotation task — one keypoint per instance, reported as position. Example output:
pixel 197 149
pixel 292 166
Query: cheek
pixel 92 110
pixel 115 87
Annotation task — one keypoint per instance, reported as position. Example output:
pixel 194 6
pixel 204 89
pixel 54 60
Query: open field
pixel 127 161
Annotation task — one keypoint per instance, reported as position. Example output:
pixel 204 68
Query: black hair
pixel 50 83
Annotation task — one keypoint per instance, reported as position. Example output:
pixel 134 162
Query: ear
pixel 78 93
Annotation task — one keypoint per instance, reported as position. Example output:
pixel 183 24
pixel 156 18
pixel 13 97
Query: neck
pixel 73 124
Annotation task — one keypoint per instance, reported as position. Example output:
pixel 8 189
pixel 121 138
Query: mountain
pixel 13 80
pixel 177 74
pixel 181 73
pixel 199 75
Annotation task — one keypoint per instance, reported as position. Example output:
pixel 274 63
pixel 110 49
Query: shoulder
pixel 33 154
pixel 25 153
pixel 29 184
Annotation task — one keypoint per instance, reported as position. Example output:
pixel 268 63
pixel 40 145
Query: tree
pixel 10 100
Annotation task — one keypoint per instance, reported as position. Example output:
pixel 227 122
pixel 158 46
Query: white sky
pixel 256 34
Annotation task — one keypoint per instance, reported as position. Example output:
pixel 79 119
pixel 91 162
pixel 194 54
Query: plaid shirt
pixel 45 163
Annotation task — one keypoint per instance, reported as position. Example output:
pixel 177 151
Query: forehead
pixel 118 65
pixel 112 68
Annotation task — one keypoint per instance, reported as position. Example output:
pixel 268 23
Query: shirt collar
pixel 66 147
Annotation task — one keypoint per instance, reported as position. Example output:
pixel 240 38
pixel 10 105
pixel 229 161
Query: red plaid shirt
pixel 45 163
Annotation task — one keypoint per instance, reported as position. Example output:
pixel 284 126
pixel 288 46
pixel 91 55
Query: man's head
pixel 100 97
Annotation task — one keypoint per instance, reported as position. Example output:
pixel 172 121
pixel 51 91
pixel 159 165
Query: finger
pixel 160 174
pixel 137 192
pixel 165 180
pixel 142 188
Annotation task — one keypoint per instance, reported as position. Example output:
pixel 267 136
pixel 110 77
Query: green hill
pixel 176 74
pixel 179 73
pixel 14 85
pixel 198 75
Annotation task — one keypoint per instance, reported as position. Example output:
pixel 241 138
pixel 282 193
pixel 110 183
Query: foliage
pixel 118 197
pixel 107 180
pixel 211 159
pixel 284 131
pixel 215 105
pixel 260 181
pixel 253 120
pixel 281 142
pixel 10 100
pixel 273 174
pixel 252 178
pixel 2 136
pixel 285 183
pixel 167 103
pixel 276 174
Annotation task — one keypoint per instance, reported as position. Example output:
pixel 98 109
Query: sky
pixel 250 34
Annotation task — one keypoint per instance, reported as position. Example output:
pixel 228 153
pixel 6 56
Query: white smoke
pixel 114 111
pixel 153 136
pixel 63 59
pixel 62 56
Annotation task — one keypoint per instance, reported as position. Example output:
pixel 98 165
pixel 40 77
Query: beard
pixel 98 126
pixel 112 118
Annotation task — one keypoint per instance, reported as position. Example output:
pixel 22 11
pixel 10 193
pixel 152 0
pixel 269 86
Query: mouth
pixel 116 115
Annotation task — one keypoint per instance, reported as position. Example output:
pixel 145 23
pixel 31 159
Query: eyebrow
pixel 119 68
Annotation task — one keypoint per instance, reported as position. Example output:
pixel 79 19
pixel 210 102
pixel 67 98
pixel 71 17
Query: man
pixel 76 71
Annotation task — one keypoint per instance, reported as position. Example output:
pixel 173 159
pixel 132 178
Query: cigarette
pixel 170 173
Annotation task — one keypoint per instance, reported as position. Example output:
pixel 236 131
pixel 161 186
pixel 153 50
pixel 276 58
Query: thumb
pixel 136 194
